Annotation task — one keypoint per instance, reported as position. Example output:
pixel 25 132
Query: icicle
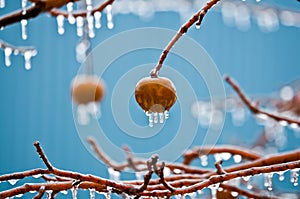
pixel 177 171
pixel 49 192
pixel 246 178
pixel 281 175
pixel 82 115
pixel 23 25
pixel 90 21
pixel 203 159
pixel 109 17
pixel 92 193
pixel 214 189
pixel 60 24
pixel 237 158
pixel 7 53
pixel 113 174
pixel 71 18
pixel 268 181
pixel 161 117
pixel 79 24
pixel 155 119
pixel 74 191
pixel 150 115
pixel 166 113
pixel 13 181
pixel 97 16
pixel 24 3
pixel 295 176
pixel 108 193
pixel 27 56
pixel 33 191
pixel 2 3
pixel 283 123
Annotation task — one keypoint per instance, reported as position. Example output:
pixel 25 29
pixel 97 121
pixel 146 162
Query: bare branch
pixel 40 193
pixel 219 168
pixel 42 155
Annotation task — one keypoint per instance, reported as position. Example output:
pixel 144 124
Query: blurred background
pixel 256 43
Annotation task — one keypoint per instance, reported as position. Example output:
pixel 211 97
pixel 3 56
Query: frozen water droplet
pixel 281 175
pixel 283 123
pixel 79 25
pixel 167 172
pixel 203 159
pixel 74 191
pixel 65 192
pixel 286 93
pixel 2 3
pixel 33 191
pixel 60 24
pixel 234 194
pixel 109 17
pixel 23 26
pixel 249 186
pixel 295 176
pixel 262 116
pixel 237 158
pixel 7 53
pixel 107 195
pixel 19 195
pixel 92 193
pixel 197 26
pixel 294 126
pixel 225 156
pixel 24 3
pixel 37 176
pixel 71 17
pixel 27 56
pixel 177 171
pixel 13 181
pixel 268 181
pixel 97 16
pixel 199 192
pixel 113 174
pixel 246 178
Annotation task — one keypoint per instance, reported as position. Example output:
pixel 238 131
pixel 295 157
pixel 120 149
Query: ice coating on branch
pixel 23 26
pixel 37 176
pixel 60 24
pixel 109 17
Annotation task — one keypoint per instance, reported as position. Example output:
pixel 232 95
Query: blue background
pixel 36 104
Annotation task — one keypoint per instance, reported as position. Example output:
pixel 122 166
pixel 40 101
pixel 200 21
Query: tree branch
pixel 197 17
pixel 255 109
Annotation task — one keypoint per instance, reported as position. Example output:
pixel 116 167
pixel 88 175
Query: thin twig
pixel 219 168
pixel 160 173
pixel 42 155
pixel 255 109
pixel 40 193
pixel 197 17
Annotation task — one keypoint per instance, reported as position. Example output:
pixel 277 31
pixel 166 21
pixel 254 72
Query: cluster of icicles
pixel 93 20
